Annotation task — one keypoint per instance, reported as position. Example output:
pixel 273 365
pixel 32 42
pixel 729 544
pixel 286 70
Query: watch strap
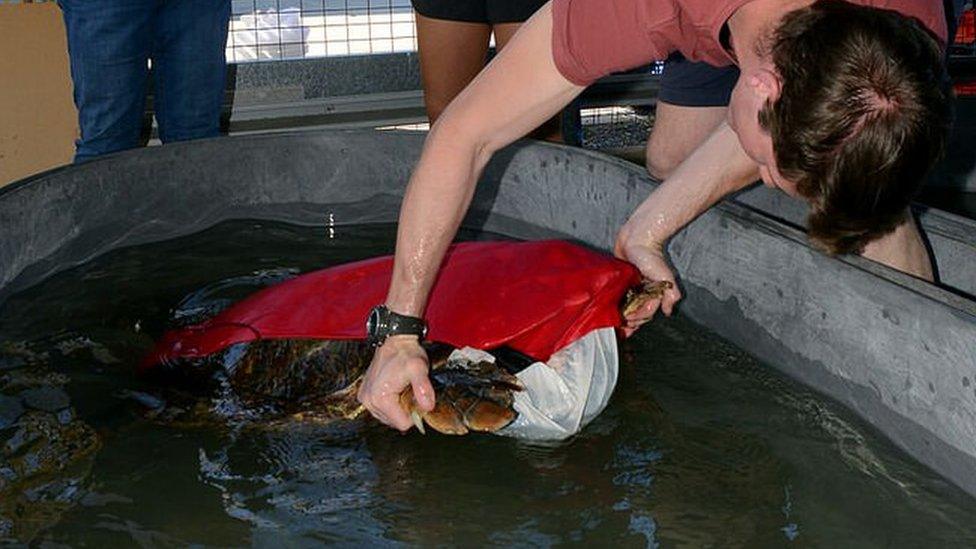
pixel 406 325
pixel 384 323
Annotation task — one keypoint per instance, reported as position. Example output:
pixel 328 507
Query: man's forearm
pixel 716 168
pixel 434 203
pixel 520 89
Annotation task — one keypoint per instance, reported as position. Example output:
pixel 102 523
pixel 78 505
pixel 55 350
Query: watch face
pixel 373 322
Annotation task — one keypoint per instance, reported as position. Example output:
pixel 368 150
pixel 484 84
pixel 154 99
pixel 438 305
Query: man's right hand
pixel 397 364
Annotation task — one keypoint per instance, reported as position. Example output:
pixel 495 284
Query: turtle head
pixel 639 295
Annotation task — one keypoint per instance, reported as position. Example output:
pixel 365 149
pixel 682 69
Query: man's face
pixel 750 94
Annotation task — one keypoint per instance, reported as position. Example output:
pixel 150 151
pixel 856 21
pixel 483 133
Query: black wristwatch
pixel 383 323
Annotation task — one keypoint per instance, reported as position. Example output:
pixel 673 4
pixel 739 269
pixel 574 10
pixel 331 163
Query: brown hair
pixel 862 116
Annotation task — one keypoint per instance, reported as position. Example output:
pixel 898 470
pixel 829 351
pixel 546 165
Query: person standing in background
pixel 110 46
pixel 452 41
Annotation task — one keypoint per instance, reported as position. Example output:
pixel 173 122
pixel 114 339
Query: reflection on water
pixel 700 446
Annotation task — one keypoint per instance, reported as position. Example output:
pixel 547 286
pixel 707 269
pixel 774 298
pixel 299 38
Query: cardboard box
pixel 38 121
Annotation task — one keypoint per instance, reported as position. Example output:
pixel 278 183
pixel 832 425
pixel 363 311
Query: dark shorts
pixel 478 11
pixel 691 84
pixel 953 11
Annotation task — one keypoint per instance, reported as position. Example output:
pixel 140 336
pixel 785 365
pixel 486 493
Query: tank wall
pixel 952 238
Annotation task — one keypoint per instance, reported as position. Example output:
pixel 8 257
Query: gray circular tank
pixel 891 348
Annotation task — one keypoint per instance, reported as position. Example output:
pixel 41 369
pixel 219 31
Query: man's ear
pixel 766 84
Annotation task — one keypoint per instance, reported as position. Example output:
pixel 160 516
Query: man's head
pixel 848 108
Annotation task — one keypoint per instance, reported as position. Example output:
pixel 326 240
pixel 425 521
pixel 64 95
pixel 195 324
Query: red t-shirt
pixel 592 38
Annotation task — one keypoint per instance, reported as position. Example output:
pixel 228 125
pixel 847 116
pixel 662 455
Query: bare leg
pixel 549 130
pixel 451 54
pixel 676 133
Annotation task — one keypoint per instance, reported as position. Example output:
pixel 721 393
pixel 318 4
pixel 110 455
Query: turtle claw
pixel 418 421
pixel 409 406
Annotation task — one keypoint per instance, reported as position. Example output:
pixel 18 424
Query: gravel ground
pixel 619 130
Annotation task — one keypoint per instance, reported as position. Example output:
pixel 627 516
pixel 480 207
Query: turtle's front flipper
pixel 488 416
pixel 444 418
pixel 467 397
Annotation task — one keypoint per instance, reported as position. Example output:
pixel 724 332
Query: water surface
pixel 701 445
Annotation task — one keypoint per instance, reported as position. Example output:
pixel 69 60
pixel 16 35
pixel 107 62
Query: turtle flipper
pixel 444 418
pixel 488 416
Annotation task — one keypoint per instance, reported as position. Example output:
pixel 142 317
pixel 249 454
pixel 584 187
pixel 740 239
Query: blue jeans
pixel 109 44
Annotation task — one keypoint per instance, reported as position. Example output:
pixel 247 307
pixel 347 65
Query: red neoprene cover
pixel 535 297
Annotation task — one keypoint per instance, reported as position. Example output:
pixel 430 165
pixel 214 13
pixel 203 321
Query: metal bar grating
pixel 264 30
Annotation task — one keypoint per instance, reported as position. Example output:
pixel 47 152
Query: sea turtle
pixel 317 380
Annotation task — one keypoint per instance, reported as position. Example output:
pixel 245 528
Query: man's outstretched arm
pixel 517 92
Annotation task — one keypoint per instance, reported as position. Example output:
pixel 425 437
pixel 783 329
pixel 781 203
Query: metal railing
pixel 266 30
